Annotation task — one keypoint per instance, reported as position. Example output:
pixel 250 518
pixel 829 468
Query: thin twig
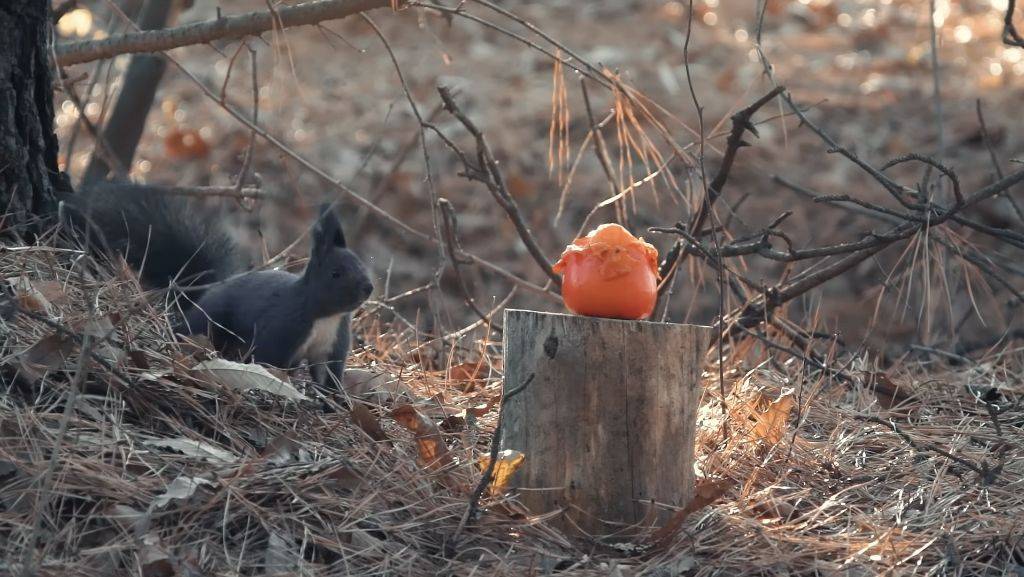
pixel 452 248
pixel 1011 36
pixel 488 476
pixel 741 123
pixel 490 175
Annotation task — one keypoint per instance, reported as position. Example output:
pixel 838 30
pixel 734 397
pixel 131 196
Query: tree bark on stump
pixel 31 182
pixel 608 422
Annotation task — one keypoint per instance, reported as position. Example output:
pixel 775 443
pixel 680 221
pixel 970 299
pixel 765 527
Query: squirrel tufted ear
pixel 327 232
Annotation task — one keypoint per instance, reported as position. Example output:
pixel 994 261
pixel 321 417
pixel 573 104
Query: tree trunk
pixel 607 421
pixel 30 180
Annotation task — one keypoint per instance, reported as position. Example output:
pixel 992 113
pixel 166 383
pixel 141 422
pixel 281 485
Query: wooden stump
pixel 608 422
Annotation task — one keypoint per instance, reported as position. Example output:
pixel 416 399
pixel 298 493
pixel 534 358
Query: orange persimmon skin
pixel 609 273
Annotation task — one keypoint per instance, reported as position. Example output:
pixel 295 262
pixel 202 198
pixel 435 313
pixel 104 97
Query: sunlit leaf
pixel 772 424
pixel 508 463
pixel 429 441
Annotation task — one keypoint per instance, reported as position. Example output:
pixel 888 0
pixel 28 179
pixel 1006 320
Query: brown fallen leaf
pixel 771 425
pixel 50 352
pixel 139 359
pixel 367 421
pixel 430 444
pixel 889 393
pixel 705 493
pixel 154 560
pixel 343 477
pixel 466 376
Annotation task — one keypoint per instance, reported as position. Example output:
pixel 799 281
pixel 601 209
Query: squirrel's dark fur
pixel 274 317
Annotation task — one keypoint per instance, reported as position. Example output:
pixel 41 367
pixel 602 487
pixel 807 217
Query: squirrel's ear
pixel 327 232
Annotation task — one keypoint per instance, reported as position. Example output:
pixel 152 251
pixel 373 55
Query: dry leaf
pixel 129 518
pixel 343 477
pixel 429 442
pixel 97 328
pixel 468 373
pixel 481 410
pixel 284 450
pixel 50 352
pixel 772 423
pixel 193 448
pixel 367 421
pixel 705 493
pixel 139 359
pixel 245 377
pixel 28 296
pixel 280 555
pixel 889 393
pixel 153 558
pixel 376 386
pixel 508 463
pixel 182 487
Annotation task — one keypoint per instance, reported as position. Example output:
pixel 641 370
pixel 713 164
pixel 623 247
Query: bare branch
pixel 490 175
pixel 741 123
pixel 253 23
pixel 1011 36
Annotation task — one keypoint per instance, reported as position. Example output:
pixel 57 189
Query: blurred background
pixel 864 70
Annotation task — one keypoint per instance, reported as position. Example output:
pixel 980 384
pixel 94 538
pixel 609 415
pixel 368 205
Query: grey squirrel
pixel 268 316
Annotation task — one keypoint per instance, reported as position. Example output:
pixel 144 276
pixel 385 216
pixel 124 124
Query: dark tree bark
pixel 30 181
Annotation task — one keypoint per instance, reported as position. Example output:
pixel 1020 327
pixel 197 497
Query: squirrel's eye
pixel 336 274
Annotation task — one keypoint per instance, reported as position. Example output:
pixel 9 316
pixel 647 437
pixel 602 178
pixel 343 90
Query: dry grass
pixel 163 471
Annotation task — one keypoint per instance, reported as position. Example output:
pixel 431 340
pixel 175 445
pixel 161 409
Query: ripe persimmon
pixel 609 273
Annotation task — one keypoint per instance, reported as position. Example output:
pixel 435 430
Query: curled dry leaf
pixel 508 463
pixel 246 377
pixel 429 442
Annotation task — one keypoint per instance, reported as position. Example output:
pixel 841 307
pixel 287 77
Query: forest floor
pixel 173 463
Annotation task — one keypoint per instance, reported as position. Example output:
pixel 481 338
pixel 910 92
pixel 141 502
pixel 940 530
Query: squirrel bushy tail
pixel 160 236
pixel 269 316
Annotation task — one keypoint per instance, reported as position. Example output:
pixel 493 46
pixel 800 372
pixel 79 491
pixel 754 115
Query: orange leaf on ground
pixel 705 493
pixel 430 444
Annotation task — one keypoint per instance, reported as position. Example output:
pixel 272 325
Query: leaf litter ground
pixel 170 464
